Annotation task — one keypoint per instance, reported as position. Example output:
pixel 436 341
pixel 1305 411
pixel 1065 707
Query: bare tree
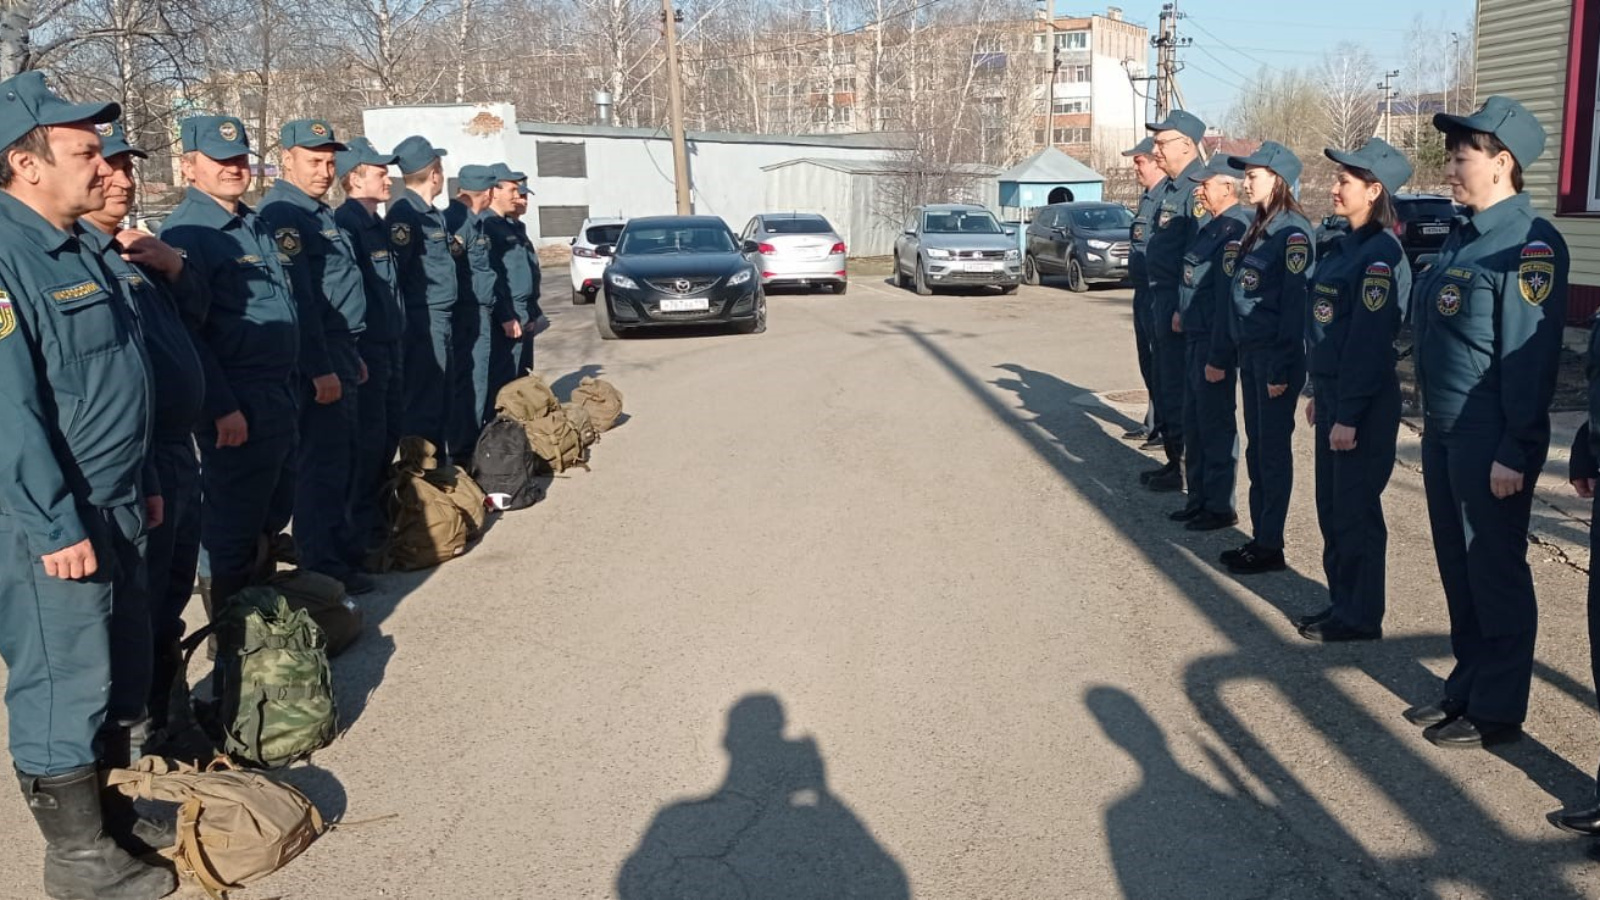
pixel 1283 106
pixel 1348 75
pixel 16 21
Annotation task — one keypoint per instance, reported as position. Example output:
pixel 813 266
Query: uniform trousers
pixel 173 551
pixel 380 409
pixel 324 536
pixel 1142 343
pixel 249 490
pixel 473 326
pixel 1210 431
pixel 1350 484
pixel 427 366
pixel 1169 349
pixel 1269 451
pixel 1481 544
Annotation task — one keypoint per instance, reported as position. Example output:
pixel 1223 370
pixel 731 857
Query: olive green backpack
pixel 273 687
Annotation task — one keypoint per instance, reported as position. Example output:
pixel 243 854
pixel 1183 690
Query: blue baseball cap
pixel 1143 148
pixel 415 153
pixel 26 103
pixel 313 134
pixel 523 189
pixel 1507 120
pixel 1379 157
pixel 114 141
pixel 1274 156
pixel 357 153
pixel 503 172
pixel 1217 166
pixel 218 137
pixel 476 178
pixel 1185 123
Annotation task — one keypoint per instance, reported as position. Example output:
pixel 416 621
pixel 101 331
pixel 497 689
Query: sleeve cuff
pixel 65 531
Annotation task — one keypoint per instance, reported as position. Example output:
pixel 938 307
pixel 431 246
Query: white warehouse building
pixel 582 171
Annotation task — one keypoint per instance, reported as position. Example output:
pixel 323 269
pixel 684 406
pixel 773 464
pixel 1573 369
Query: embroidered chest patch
pixel 1449 301
pixel 1322 310
pixel 400 234
pixel 1250 279
pixel 288 241
pixel 1188 275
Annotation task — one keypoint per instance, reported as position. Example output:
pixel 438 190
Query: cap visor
pixel 127 151
pixel 1442 121
pixel 1343 158
pixel 96 113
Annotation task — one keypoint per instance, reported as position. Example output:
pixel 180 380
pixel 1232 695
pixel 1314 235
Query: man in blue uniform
pixel 426 271
pixel 517 292
pixel 364 175
pixel 248 339
pixel 146 633
pixel 476 315
pixel 328 290
pixel 77 413
pixel 1179 214
pixel 537 322
pixel 1149 177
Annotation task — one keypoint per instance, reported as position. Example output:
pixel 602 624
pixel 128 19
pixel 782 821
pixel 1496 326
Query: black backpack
pixel 504 463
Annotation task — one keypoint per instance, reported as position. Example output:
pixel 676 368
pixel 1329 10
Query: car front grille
pixel 682 287
pixel 978 254
pixel 1120 250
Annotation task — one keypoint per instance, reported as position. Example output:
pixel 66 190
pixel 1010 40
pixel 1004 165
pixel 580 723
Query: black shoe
pixel 1136 434
pixel 1255 560
pixel 1333 631
pixel 1187 514
pixel 1583 821
pixel 1445 710
pixel 1229 557
pixel 1150 475
pixel 1154 442
pixel 1168 482
pixel 1315 618
pixel 356 584
pixel 80 862
pixel 1462 733
pixel 1212 521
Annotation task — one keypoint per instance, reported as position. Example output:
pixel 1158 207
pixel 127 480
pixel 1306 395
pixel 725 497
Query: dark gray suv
pixel 1085 241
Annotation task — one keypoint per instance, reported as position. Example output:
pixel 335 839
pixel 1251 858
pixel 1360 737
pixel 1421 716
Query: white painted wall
pixel 1119 116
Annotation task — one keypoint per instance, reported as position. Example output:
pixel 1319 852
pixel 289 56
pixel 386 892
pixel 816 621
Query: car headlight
pixel 1013 254
pixel 740 278
pixel 936 253
pixel 619 280
pixel 1100 245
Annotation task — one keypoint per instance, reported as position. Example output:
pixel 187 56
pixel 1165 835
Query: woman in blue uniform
pixel 1358 300
pixel 1269 303
pixel 1490 313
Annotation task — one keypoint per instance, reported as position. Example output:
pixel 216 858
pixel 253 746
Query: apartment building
pixel 1093 67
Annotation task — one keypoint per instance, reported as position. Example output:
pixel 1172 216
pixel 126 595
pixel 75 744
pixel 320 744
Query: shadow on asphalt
pixel 1162 846
pixel 772 831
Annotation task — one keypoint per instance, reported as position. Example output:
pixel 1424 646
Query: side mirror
pixel 909 231
pixel 750 247
pixel 605 250
pixel 1011 230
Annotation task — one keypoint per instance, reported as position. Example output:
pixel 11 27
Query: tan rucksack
pixel 580 419
pixel 601 400
pixel 234 827
pixel 525 398
pixel 555 441
pixel 435 510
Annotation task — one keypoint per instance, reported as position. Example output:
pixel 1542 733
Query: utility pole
pixel 1051 72
pixel 1455 72
pixel 680 144
pixel 1388 104
pixel 1167 43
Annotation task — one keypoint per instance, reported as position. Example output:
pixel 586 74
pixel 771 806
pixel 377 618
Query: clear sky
pixel 1234 38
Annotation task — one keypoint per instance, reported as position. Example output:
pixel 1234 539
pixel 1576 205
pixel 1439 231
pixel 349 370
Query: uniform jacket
pixel 475 276
pixel 248 325
pixel 1139 239
pixel 76 399
pixel 1269 293
pixel 426 268
pixel 1358 300
pixel 1204 296
pixel 1179 215
pixel 322 271
pixel 1489 316
pixel 516 278
pixel 375 256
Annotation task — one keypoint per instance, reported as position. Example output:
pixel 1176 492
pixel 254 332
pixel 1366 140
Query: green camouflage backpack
pixel 273 687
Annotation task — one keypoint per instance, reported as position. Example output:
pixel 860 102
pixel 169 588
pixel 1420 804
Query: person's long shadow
pixel 773 830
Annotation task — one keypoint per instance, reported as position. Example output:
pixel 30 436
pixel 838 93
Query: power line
pixel 1206 31
pixel 1247 78
pixel 862 28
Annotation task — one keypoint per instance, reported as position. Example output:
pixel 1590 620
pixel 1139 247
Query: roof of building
pixel 879 140
pixel 1051 166
pixel 882 166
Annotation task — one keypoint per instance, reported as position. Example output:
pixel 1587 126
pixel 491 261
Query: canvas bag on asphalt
pixel 324 597
pixel 601 400
pixel 580 419
pixel 525 399
pixel 556 441
pixel 504 463
pixel 234 827
pixel 434 511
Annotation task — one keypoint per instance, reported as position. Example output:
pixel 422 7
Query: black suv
pixel 1426 220
pixel 1083 241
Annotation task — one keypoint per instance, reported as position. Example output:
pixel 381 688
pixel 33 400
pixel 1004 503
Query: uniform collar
pixel 47 236
pixel 371 218
pixel 1182 180
pixel 209 212
pixel 1514 207
pixel 291 194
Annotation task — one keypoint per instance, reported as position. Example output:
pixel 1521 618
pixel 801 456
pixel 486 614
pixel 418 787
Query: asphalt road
pixel 872 606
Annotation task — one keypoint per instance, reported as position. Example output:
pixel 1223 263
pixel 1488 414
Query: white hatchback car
pixel 589 267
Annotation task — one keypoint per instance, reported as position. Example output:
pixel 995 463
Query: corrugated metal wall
pixel 1522 53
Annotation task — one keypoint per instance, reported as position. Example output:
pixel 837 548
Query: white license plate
pixel 685 304
pixel 981 267
pixel 1436 229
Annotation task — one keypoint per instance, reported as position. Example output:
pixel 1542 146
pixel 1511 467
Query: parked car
pixel 1085 241
pixel 798 250
pixel 679 270
pixel 588 266
pixel 956 245
pixel 1426 221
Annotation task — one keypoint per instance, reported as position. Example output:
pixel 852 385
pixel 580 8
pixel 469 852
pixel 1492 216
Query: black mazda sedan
pixel 679 270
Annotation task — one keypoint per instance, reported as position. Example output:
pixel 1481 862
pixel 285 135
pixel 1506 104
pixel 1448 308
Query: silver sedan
pixel 798 250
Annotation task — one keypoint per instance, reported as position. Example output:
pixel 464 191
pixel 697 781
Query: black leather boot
pixel 80 862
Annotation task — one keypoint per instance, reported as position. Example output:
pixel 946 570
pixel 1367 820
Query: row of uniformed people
pixel 278 342
pixel 1255 298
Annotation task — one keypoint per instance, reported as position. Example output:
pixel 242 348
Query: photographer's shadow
pixel 772 830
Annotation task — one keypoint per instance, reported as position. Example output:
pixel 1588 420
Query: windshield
pixel 798 225
pixel 664 239
pixel 602 234
pixel 1105 218
pixel 960 221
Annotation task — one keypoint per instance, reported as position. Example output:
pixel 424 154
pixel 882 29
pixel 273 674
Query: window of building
pixel 561 221
pixel 1578 188
pixel 1072 136
pixel 1072 40
pixel 1071 107
pixel 1074 74
pixel 562 159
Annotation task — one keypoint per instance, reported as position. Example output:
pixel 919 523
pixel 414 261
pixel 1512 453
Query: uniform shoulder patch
pixel 1375 291
pixel 8 316
pixel 1297 252
pixel 1199 206
pixel 1380 269
pixel 288 241
pixel 1230 256
pixel 400 234
pixel 1536 275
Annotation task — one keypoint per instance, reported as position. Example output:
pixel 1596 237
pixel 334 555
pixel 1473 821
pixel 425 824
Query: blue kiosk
pixel 1049 176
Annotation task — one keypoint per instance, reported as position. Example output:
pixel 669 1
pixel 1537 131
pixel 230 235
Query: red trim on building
pixel 1582 302
pixel 1577 132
